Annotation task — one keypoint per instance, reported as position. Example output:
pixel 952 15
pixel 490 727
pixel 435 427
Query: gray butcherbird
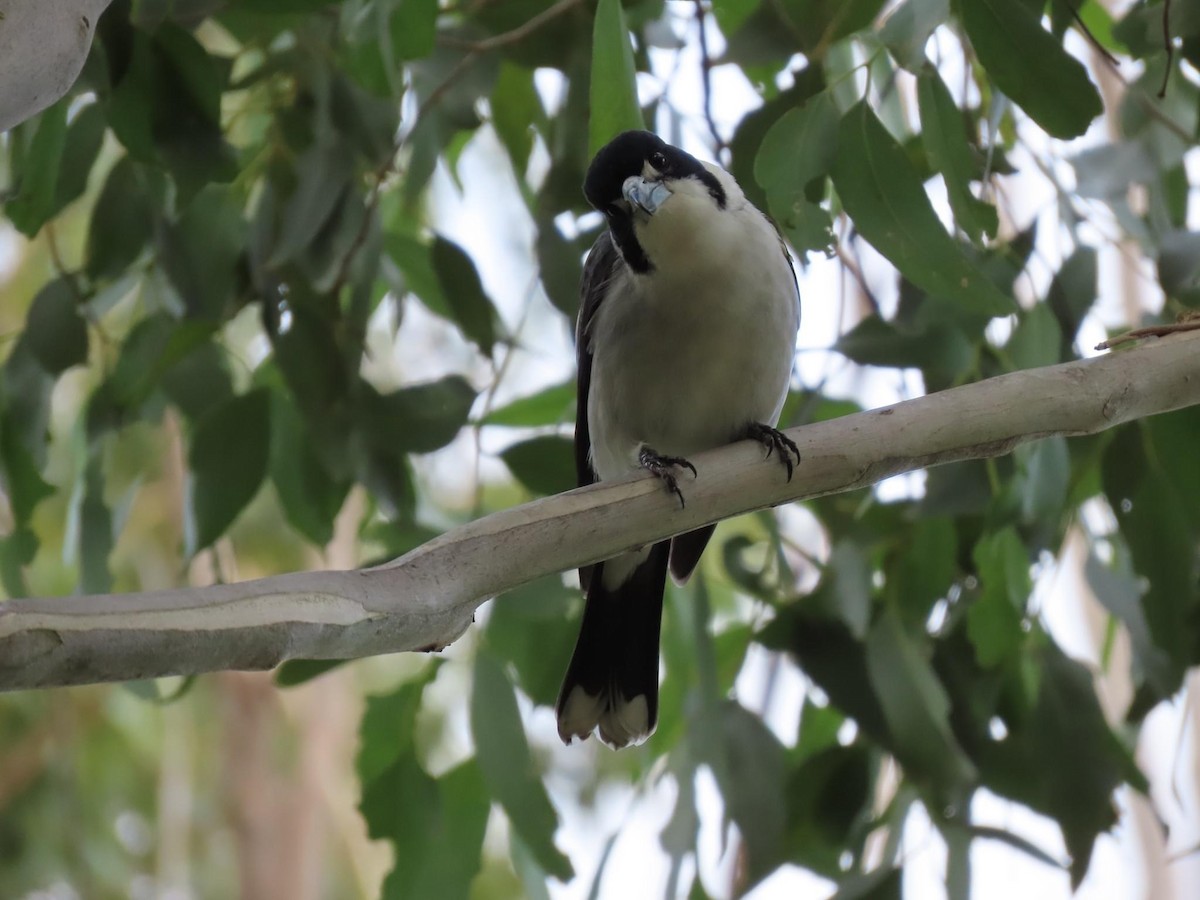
pixel 685 342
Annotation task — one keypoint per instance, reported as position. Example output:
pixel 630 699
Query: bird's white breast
pixel 689 354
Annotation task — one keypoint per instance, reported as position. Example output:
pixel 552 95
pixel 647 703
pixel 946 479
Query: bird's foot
pixel 664 468
pixel 774 439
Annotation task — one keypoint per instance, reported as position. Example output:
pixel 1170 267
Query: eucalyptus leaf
pixel 503 754
pixel 883 195
pixel 949 153
pixel 37 178
pixel 56 333
pixel 545 465
pixel 469 305
pixel 228 460
pixel 549 406
pixel 614 96
pixel 1023 59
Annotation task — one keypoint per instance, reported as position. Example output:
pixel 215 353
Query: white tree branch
pixel 43 45
pixel 427 598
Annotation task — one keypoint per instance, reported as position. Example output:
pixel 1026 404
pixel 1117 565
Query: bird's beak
pixel 645 195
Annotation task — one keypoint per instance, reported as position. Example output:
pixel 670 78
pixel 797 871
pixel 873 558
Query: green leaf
pixel 1061 758
pixel 228 461
pixel 942 352
pixel 1044 474
pixel 309 495
pixel 23 482
pixel 122 222
pixel 614 100
pixel 908 28
pixel 776 30
pixel 754 126
pixel 160 691
pixel 516 108
pixel 559 267
pixel 994 618
pixel 750 770
pixel 914 703
pixel 17 550
pixel 469 306
pixel 203 250
pixel 730 14
pixel 435 826
pixel 924 567
pixel 1120 594
pixel 25 393
pixel 826 795
pixel 1157 522
pixel 849 576
pixel 818 729
pixel 300 671
pixel 834 660
pixel 882 883
pixel 453 828
pixel 503 755
pixel 413 258
pixel 388 728
pixel 283 7
pixel 199 380
pixel 883 195
pixel 421 418
pixel 1072 294
pixel 96 539
pixel 550 406
pixel 414 28
pixel 166 108
pixel 530 627
pixel 1036 340
pixel 949 153
pixel 322 175
pixel 544 465
pixel 1025 61
pixel 154 347
pixel 37 177
pixel 800 147
pixel 312 364
pixel 56 333
pixel 85 135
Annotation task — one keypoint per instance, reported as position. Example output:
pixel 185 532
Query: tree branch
pixel 427 598
pixel 42 48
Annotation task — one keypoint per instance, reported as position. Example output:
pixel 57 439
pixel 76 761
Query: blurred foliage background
pixel 290 284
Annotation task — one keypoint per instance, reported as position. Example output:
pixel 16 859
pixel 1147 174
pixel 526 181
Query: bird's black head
pixel 628 154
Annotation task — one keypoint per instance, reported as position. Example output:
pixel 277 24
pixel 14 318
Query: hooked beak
pixel 645 195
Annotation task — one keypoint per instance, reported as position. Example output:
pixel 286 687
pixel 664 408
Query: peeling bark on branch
pixel 427 598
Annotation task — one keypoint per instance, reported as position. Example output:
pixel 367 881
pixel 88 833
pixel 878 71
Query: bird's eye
pixel 659 161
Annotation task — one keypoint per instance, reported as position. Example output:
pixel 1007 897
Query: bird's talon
pixel 774 439
pixel 660 467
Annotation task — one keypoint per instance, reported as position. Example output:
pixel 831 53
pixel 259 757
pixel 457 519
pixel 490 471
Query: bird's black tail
pixel 612 681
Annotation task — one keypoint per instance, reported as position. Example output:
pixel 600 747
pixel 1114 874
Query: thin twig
pixel 1092 39
pixel 1191 322
pixel 515 35
pixel 1170 48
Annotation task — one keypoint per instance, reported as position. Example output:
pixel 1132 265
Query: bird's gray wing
pixel 602 264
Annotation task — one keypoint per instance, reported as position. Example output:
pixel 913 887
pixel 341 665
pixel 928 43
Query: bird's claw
pixel 662 467
pixel 774 439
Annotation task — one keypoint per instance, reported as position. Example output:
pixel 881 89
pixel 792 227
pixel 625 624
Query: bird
pixel 685 341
